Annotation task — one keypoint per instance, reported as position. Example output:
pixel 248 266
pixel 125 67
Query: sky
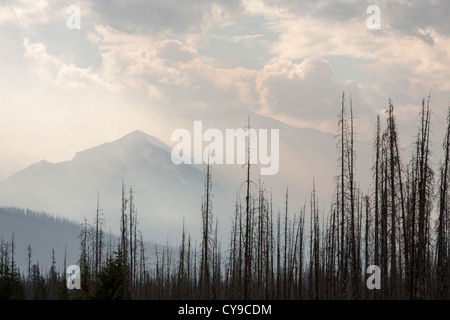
pixel 157 66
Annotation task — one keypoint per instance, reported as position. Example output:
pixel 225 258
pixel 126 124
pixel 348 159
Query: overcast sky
pixel 154 65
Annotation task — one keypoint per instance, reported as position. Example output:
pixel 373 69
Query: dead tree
pixel 205 268
pixel 442 247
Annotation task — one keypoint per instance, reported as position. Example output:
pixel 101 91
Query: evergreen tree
pixel 111 280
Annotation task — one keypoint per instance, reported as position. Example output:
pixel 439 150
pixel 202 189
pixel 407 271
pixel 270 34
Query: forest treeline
pixel 401 225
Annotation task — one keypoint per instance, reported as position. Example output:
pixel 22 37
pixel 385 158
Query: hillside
pixel 43 233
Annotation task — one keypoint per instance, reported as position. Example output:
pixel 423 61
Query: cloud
pixel 303 90
pixel 413 16
pixel 55 71
pixel 283 59
pixel 166 16
pixel 414 64
pixel 172 72
pixel 413 42
pixel 174 50
pixel 25 13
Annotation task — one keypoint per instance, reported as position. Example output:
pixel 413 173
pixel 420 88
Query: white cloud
pixel 154 16
pixel 173 72
pixel 293 89
pixel 25 12
pixel 55 71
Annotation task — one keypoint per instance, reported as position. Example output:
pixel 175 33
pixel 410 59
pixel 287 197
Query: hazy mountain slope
pixel 43 233
pixel 163 192
pixel 305 154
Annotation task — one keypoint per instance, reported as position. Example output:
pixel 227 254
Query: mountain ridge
pixel 142 162
pixel 166 193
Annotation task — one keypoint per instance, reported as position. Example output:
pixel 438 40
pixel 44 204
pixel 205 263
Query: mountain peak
pixel 122 146
pixel 138 136
pixel 71 188
pixel 137 133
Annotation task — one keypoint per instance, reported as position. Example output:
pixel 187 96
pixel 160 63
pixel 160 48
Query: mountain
pixel 304 155
pixel 46 235
pixel 52 237
pixel 164 193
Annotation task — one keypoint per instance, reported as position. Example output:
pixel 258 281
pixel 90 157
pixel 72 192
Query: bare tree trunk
pixel 206 237
pixel 443 263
